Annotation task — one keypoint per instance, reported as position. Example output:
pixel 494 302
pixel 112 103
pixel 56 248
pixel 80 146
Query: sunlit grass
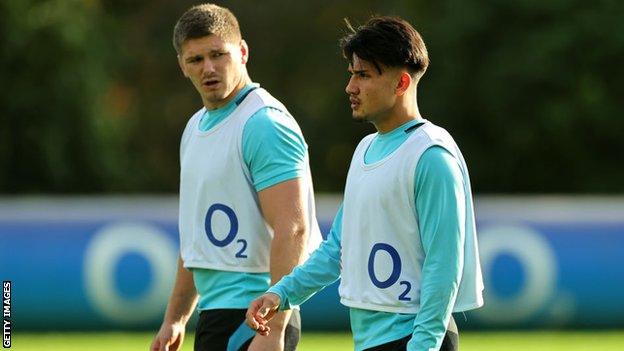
pixel 469 341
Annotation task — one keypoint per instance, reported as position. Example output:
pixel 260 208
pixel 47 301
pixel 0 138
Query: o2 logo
pixel 394 275
pixel 229 238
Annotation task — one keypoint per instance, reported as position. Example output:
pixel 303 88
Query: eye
pixel 217 54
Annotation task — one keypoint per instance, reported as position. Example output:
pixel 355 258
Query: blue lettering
pixel 396 265
pixel 233 225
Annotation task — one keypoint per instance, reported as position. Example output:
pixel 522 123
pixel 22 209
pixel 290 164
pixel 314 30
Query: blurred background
pixel 92 106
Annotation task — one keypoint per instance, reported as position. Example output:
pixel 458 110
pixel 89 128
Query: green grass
pixel 469 341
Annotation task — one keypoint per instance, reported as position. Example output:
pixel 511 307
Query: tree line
pixel 92 100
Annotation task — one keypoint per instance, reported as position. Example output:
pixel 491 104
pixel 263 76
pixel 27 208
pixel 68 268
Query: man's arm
pixel 318 271
pixel 179 309
pixel 276 154
pixel 284 207
pixel 285 210
pixel 440 203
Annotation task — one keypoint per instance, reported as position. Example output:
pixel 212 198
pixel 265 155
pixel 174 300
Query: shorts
pixel 449 343
pixel 226 330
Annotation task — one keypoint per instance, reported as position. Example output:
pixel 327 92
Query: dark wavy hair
pixel 386 41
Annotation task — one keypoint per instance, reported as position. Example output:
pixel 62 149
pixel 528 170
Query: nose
pixel 209 67
pixel 351 87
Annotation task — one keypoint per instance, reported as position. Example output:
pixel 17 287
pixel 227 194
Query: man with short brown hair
pixel 246 199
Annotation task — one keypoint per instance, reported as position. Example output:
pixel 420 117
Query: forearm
pixel 287 251
pixel 183 297
pixel 286 212
pixel 438 294
pixel 319 270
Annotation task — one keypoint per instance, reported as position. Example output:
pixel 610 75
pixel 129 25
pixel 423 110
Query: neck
pixel 405 110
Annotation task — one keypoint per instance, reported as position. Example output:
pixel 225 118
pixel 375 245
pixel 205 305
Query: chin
pixel 216 96
pixel 358 117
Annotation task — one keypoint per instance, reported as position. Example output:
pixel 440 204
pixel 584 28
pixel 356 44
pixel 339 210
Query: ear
pixel 244 52
pixel 181 64
pixel 405 81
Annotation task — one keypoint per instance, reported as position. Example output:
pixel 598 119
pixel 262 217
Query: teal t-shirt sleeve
pixel 319 270
pixel 440 203
pixel 273 148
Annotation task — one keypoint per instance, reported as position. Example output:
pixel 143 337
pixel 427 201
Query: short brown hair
pixel 205 19
pixel 390 41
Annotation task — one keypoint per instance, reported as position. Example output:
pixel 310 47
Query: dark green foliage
pixel 91 98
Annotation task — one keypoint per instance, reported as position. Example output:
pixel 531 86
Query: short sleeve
pixel 273 148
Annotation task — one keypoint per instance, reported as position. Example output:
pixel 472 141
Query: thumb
pixel 264 310
pixel 268 308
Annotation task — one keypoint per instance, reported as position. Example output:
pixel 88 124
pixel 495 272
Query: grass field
pixel 469 341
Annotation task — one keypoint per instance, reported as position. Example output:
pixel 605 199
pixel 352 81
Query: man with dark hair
pixel 404 240
pixel 246 199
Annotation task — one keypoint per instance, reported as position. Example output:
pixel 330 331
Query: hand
pixel 273 342
pixel 169 337
pixel 260 312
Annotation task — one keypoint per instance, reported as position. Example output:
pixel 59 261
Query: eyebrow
pixel 356 71
pixel 210 51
